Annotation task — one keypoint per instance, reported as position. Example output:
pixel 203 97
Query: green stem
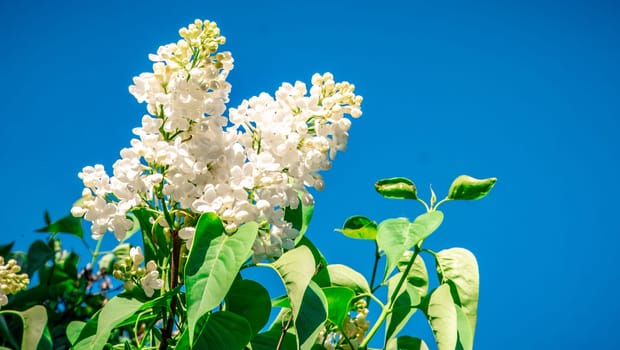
pixel 96 252
pixel 424 203
pixel 166 333
pixel 441 202
pixel 374 269
pixel 387 309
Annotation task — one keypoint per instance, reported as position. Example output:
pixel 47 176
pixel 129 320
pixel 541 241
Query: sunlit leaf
pixel 465 334
pixel 296 268
pixel 395 236
pixel 359 227
pixel 459 266
pixel 344 276
pixel 441 314
pixel 397 187
pixel 212 265
pixel 321 276
pixel 469 188
pixel 418 275
pixel 299 217
pixel 34 324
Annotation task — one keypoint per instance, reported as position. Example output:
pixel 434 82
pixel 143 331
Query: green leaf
pixel 312 315
pixel 5 249
pixel 397 187
pixel 212 265
pixel 441 314
pixel 224 330
pixel 418 275
pixel 359 227
pixel 144 217
pixel 344 276
pixel 296 268
pixel 404 305
pixel 68 224
pixel 114 313
pixel 467 187
pixel 395 236
pixel 465 334
pixel 38 254
pixel 459 266
pixel 406 342
pixel 251 300
pixel 74 328
pixel 34 322
pixel 321 276
pixel 274 339
pixel 338 303
pixel 299 217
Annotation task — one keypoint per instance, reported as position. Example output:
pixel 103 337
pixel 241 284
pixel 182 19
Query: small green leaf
pixel 441 314
pixel 395 236
pixel 467 187
pixel 459 266
pixel 397 187
pixel 5 249
pixel 35 322
pixel 359 227
pixel 344 276
pixel 251 300
pixel 68 224
pixel 406 342
pixel 38 254
pixel 212 265
pixel 338 303
pixel 144 217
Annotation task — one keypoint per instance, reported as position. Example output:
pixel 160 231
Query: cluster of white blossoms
pixel 11 281
pixel 189 157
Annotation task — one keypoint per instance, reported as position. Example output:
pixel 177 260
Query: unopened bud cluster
pixel 353 332
pixel 130 271
pixel 11 281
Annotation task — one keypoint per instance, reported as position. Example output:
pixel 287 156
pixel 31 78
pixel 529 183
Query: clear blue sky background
pixel 527 91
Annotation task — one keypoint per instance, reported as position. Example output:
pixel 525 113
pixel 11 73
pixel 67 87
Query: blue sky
pixel 527 91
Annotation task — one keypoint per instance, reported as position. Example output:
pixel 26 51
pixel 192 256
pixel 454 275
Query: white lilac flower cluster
pixel 187 155
pixel 11 281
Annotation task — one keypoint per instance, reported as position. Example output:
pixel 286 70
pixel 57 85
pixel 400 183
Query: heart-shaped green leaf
pixel 395 236
pixel 441 314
